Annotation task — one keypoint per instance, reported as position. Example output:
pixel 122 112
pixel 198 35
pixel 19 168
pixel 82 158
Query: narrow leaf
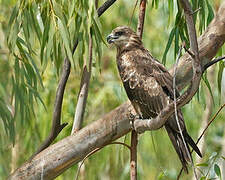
pixel 66 38
pixel 170 40
pixel 217 170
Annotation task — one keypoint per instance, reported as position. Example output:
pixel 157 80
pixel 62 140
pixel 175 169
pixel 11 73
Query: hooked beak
pixel 110 38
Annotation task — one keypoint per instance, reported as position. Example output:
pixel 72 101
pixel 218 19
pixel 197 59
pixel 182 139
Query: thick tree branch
pixel 209 43
pixel 72 149
pixel 62 155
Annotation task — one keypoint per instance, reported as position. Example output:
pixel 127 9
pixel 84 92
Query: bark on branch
pixel 57 158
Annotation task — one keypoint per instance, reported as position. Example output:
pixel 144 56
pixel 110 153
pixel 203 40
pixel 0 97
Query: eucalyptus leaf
pixel 169 43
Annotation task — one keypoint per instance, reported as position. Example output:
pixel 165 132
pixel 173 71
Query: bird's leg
pixel 132 117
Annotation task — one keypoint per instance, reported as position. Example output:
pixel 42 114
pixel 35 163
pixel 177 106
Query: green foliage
pixel 54 27
pixel 38 35
pixel 210 169
pixel 203 13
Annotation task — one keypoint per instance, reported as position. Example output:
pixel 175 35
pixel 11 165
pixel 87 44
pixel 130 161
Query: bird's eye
pixel 119 33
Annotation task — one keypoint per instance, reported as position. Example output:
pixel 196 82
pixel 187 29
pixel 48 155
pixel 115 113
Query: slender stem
pixel 212 62
pixel 195 61
pixel 105 6
pixel 83 94
pixel 94 151
pixel 203 132
pixel 134 135
pixel 141 18
pixel 133 155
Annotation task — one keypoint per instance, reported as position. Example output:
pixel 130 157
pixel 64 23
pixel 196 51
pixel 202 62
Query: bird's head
pixel 123 36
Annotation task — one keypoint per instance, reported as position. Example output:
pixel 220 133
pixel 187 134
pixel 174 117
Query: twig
pixel 82 162
pixel 175 103
pixel 96 150
pixel 56 127
pixel 141 18
pixel 121 143
pixel 105 6
pixel 189 52
pixel 203 132
pixel 205 119
pixel 176 116
pixel 214 117
pixel 212 62
pixel 83 94
pixel 196 10
pixel 132 15
pixel 195 60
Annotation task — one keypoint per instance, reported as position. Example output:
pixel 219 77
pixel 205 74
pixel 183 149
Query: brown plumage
pixel 149 86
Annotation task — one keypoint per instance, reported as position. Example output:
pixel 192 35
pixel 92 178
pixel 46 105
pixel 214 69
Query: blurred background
pixel 28 85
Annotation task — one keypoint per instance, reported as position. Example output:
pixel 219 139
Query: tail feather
pixel 178 145
pixel 192 144
pixel 183 153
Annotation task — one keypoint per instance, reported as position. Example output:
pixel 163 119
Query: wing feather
pixel 148 84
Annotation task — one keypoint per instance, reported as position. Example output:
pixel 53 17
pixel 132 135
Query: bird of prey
pixel 149 86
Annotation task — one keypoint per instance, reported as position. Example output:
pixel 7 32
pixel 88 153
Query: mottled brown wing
pixel 149 87
pixel 142 87
pixel 147 82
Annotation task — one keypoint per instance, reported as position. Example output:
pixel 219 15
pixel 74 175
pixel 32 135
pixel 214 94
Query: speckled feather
pixel 149 86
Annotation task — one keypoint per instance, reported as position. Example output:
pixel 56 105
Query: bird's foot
pixel 132 117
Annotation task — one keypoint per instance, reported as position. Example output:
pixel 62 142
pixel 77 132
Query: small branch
pixel 205 119
pixel 189 52
pixel 96 150
pixel 133 155
pixel 175 107
pixel 141 18
pixel 195 11
pixel 132 15
pixel 105 6
pixel 134 135
pixel 203 132
pixel 82 162
pixel 210 122
pixel 212 62
pixel 124 144
pixel 83 94
pixel 56 125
